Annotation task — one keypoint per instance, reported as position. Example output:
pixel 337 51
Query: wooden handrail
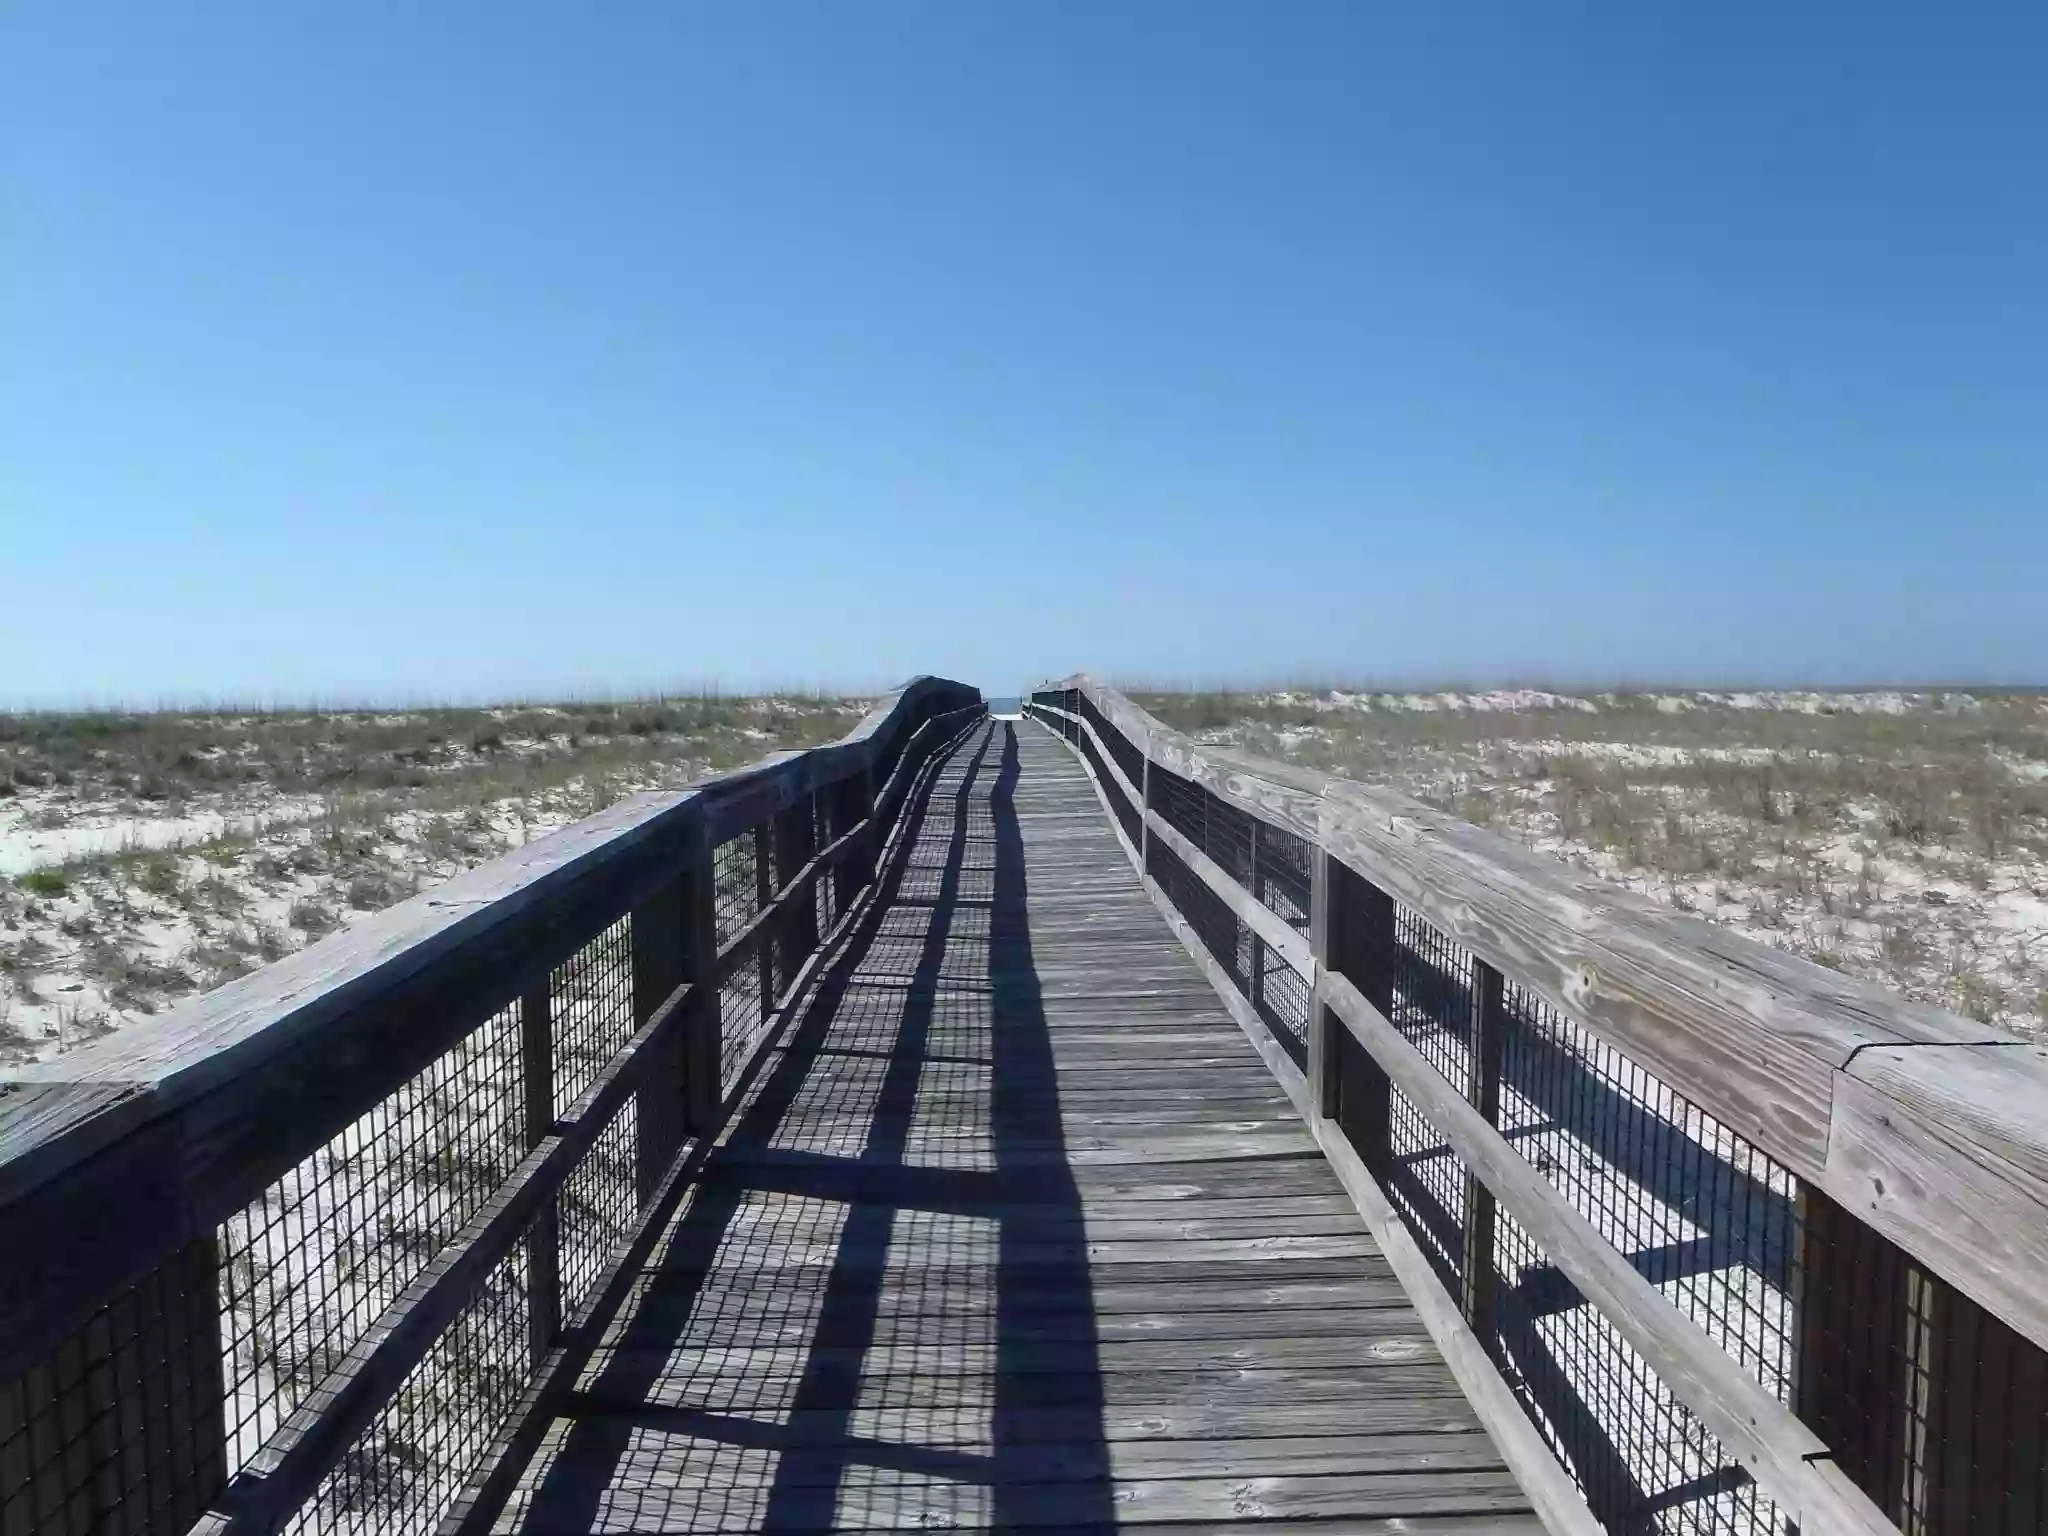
pixel 119 1164
pixel 164 1130
pixel 272 1485
pixel 1927 1126
pixel 1887 1108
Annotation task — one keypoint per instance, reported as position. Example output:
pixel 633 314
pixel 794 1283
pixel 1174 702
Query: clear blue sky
pixel 462 348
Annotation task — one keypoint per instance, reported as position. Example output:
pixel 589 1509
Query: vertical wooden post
pixel 764 893
pixel 1869 1378
pixel 1489 1020
pixel 1255 973
pixel 703 1049
pixel 121 1425
pixel 658 941
pixel 1364 1096
pixel 537 1057
pixel 1325 941
pixel 1145 812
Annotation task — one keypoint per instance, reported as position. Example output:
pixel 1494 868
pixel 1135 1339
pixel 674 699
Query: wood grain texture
pixel 1758 1038
pixel 1932 1186
pixel 955 1263
pixel 1751 1424
pixel 206 1042
pixel 1277 936
pixel 553 1381
pixel 1551 1490
pixel 211 1102
pixel 280 1476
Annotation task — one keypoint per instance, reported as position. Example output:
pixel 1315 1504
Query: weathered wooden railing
pixel 318 1250
pixel 1715 1239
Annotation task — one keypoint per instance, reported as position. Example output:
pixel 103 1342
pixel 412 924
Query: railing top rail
pixel 55 1114
pixel 1932 1128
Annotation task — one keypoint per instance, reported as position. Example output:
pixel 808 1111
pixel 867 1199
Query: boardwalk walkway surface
pixel 1017 1232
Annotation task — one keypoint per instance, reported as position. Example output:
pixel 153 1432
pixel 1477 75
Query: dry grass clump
pixel 205 844
pixel 1902 836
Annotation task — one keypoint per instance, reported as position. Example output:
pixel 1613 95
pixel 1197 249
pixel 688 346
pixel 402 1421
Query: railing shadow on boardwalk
pixel 1672 1178
pixel 819 1431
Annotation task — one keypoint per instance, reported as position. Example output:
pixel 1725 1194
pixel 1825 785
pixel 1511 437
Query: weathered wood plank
pixel 1762 1041
pixel 1752 1425
pixel 251 1078
pixel 1016 1179
pixel 1928 1184
pixel 1746 1031
pixel 646 1502
pixel 1274 933
pixel 291 1463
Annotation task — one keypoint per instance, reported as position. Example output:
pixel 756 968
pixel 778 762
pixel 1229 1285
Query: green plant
pixel 45 882
pixel 159 876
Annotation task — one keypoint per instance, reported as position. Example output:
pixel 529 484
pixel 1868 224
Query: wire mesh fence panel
pixel 1227 838
pixel 884 765
pixel 1214 923
pixel 1433 996
pixel 598 1207
pixel 824 889
pixel 1129 756
pixel 1702 1214
pixel 1128 816
pixel 1934 1407
pixel 1179 803
pixel 592 998
pixel 1282 998
pixel 119 1428
pixel 792 840
pixel 309 1265
pixel 1283 875
pixel 407 1467
pixel 1426 1184
pixel 1640 1457
pixel 736 900
pixel 1279 879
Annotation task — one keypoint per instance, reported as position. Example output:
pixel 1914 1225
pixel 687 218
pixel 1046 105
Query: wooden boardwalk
pixel 1017 1231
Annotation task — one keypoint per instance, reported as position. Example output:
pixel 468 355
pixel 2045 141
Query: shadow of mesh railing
pixel 364 1241
pixel 1848 1352
pixel 321 1255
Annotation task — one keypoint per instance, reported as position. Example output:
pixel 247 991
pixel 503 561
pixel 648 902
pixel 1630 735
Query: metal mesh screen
pixel 407 1468
pixel 884 766
pixel 598 1207
pixel 1282 998
pixel 791 840
pixel 1641 1459
pixel 1128 816
pixel 119 1428
pixel 592 995
pixel 1426 1184
pixel 1700 1211
pixel 825 889
pixel 1933 1406
pixel 736 884
pixel 1128 757
pixel 306 1268
pixel 1214 923
pixel 1284 875
pixel 1278 875
pixel 1433 996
